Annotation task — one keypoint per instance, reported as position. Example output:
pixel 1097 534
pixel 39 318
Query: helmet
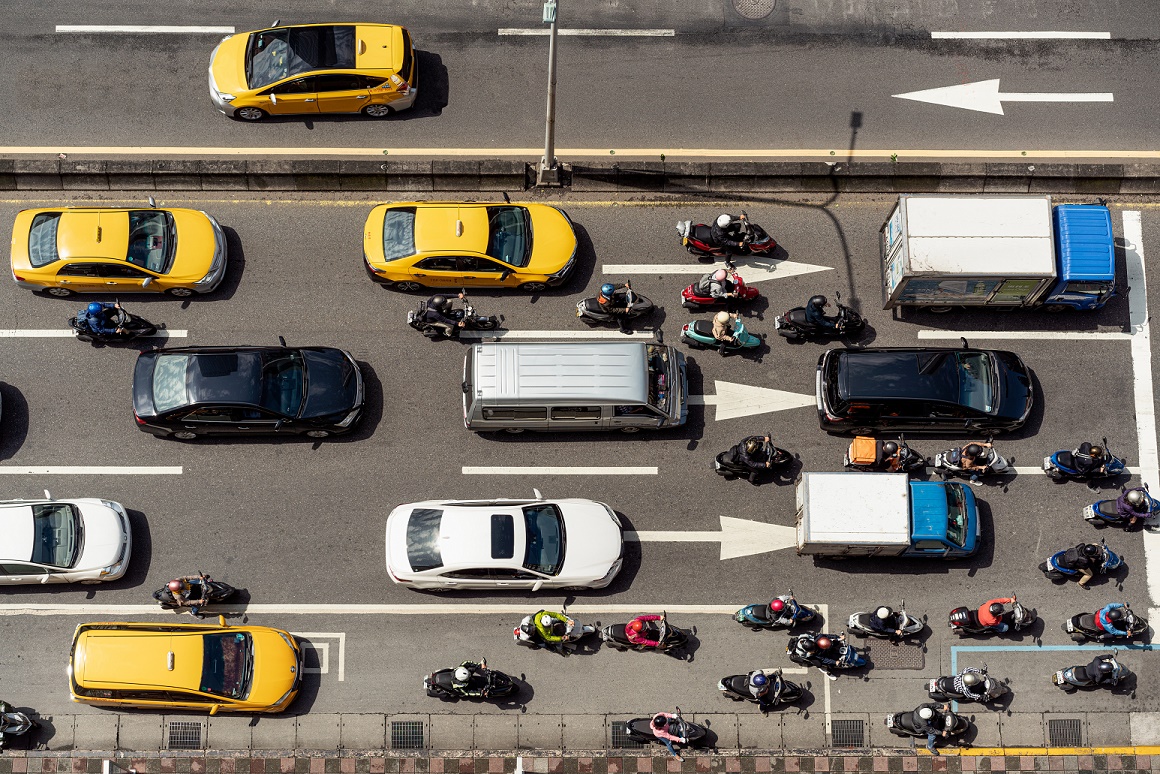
pixel 807 645
pixel 1135 497
pixel 759 680
pixel 824 643
pixel 1116 615
pixel 1105 668
pixel 723 220
pixel 974 450
pixel 607 289
pixel 546 620
pixel 175 586
pixel 95 308
pixel 462 675
pixel 996 609
pixel 884 613
pixel 720 275
pixel 818 301
pixel 926 713
pixel 1097 451
pixel 752 445
pixel 722 317
pixel 440 302
pixel 970 679
pixel 658 721
pixel 636 626
pixel 1090 551
pixel 777 605
pixel 890 448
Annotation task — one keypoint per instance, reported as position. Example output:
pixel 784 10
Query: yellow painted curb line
pixel 1050 751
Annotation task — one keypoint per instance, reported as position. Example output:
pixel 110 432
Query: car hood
pixel 105 536
pixel 1016 392
pixel 553 240
pixel 332 383
pixel 594 539
pixel 275 666
pixel 228 64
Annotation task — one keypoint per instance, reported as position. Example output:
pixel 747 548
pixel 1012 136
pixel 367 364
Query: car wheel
pixel 513 430
pixel 378 111
pixel 534 287
pixel 317 433
pixel 630 430
pixel 408 286
pixel 59 292
pixel 184 435
pixel 250 114
pixel 89 582
pixel 181 292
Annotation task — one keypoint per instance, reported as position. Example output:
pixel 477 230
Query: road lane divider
pixel 90 470
pixel 1032 335
pixel 65 333
pixel 147 28
pixel 753 270
pixel 738 537
pixel 1042 35
pixel 560 471
pixel 589 32
pixel 742 400
pixel 425 609
pixel 501 333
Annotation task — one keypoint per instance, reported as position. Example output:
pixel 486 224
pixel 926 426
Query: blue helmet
pixel 759 680
pixel 95 308
pixel 607 289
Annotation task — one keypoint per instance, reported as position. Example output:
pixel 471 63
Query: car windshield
pixel 169 385
pixel 56 534
pixel 399 233
pixel 545 539
pixel 423 539
pixel 956 516
pixel 227 664
pixel 976 381
pixel 280 53
pixel 283 382
pixel 42 239
pixel 152 240
pixel 658 377
pixel 510 235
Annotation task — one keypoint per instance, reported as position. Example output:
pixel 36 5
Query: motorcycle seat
pixel 1065 459
pixel 1088 621
pixel 703 233
pixel 1108 508
pixel 618 632
pixel 965 616
pixel 1082 675
pixel 703 328
pixel 797 316
pixel 739 683
pixel 760 611
pixel 593 306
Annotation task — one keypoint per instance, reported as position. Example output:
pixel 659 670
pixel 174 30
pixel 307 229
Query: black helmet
pixel 1116 615
pixel 658 721
pixel 996 609
pixel 1105 668
pixel 806 644
pixel 890 448
pixel 818 301
pixel 1090 551
pixel 440 303
pixel 974 450
pixel 752 445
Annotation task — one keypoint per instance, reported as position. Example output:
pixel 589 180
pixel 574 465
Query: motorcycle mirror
pixel 660 336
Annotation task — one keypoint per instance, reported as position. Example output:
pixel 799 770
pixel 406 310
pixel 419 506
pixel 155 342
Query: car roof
pixel 599 371
pixel 221 375
pixel 451 227
pixel 16 532
pixel 465 536
pixel 118 658
pixel 915 373
pixel 102 234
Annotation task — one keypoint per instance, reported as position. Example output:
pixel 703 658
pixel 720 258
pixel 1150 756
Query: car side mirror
pixel 152 201
pixel 537 585
pixel 505 274
pixel 273 99
pixel 213 710
pixel 44 578
pixel 278 425
pixel 222 621
pixel 147 282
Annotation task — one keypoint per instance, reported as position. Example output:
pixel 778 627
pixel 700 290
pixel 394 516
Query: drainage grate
pixel 754 9
pixel 407 735
pixel 884 655
pixel 620 738
pixel 1065 733
pixel 848 733
pixel 184 735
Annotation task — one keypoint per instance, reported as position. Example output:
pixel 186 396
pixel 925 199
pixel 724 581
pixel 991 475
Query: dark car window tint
pixel 119 271
pixel 57 534
pixel 503 536
pixel 20 569
pixel 423 539
pixel 169 382
pixel 152 240
pixel 399 233
pixel 545 539
pixel 479 265
pixel 976 381
pixel 510 235
pixel 78 270
pixel 227 664
pixel 476 574
pixel 338 82
pixel 279 53
pixel 504 573
pixel 297 86
pixel 42 239
pixel 211 414
pixel 439 263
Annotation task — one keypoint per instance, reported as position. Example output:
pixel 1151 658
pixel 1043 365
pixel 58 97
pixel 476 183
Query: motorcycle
pixel 1107 512
pixel 13 723
pixel 965 620
pixel 729 464
pixel 839 655
pixel 943 689
pixel 1100 671
pixel 908 724
pixel 781 691
pixel 696 296
pixel 670 637
pixel 794 324
pixel 699 335
pixel 640 730
pixel 1058 568
pixel 1060 466
pixel 950 463
pixel 867 624
pixel 698 239
pixel 572 632
pixel 758 617
pixel 1083 627
pixel 484 683
pixel 866 454
pixel 131 326
pixel 215 591
pixel 472 320
pixel 591 313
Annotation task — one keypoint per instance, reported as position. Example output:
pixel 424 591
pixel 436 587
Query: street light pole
pixel 548 173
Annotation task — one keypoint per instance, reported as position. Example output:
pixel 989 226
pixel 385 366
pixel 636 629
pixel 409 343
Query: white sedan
pixel 84 540
pixel 528 544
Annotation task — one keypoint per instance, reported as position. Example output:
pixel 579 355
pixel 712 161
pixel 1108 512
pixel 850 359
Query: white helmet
pixel 545 620
pixel 722 317
pixel 883 612
pixel 926 713
pixel 723 220
pixel 461 674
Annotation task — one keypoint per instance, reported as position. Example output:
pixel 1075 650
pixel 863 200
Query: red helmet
pixel 175 586
pixel 636 626
pixel 777 606
pixel 824 643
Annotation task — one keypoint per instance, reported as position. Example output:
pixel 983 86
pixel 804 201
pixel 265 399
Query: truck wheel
pixel 939 309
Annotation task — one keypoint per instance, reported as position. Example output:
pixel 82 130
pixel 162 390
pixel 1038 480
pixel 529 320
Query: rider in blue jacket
pixel 100 317
pixel 1110 615
pixel 816 315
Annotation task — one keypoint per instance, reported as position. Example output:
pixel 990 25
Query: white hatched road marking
pixel 133 28
pixel 595 334
pixel 560 471
pixel 1013 335
pixel 1053 35
pixel 323 649
pixel 614 33
pixel 89 470
pixel 65 333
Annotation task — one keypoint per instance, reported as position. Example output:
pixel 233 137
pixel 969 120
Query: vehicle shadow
pixel 235 267
pixel 15 413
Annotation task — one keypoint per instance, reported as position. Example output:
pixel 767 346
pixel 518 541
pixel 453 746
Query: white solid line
pixel 513 608
pixel 64 333
pixel 597 334
pixel 1030 471
pixel 143 28
pixel 1060 35
pixel 1064 335
pixel 88 470
pixel 615 33
pixel 559 471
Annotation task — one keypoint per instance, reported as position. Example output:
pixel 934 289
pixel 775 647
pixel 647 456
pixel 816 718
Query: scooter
pixel 949 463
pixel 781 691
pixel 472 320
pixel 591 313
pixel 729 464
pixel 965 620
pixel 640 730
pixel 699 335
pixel 215 591
pixel 866 454
pixel 908 724
pixel 670 637
pixel 839 655
pixel 758 617
pixel 698 239
pixel 943 689
pixel 1083 627
pixel 571 630
pixel 1107 512
pixel 1057 568
pixel 794 324
pixel 13 723
pixel 131 326
pixel 1100 671
pixel 867 624
pixel 484 684
pixel 1061 466
pixel 696 296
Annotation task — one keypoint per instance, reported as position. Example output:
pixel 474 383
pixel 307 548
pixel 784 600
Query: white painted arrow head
pixel 743 400
pixel 981 96
pixel 741 537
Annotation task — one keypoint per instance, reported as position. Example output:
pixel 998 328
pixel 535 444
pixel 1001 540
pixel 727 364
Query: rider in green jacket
pixel 551 627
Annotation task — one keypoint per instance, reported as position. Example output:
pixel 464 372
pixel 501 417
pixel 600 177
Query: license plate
pixel 411 316
pixel 933 685
pixel 1070 627
pixel 777 322
pixel 721 685
pixel 890 721
pixel 1057 678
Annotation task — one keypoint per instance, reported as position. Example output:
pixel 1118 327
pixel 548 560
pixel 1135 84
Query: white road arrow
pixel 985 97
pixel 738 537
pixel 741 400
pixel 751 269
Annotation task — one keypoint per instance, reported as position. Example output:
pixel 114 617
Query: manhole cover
pixel 883 655
pixel 754 9
pixel 184 735
pixel 407 735
pixel 848 733
pixel 1065 733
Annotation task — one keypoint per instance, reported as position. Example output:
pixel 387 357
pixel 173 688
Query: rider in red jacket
pixel 637 632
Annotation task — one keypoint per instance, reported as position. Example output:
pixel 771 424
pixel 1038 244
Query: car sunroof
pixel 503 536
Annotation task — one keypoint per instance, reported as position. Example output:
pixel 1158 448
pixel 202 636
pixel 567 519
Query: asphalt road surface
pixel 299 524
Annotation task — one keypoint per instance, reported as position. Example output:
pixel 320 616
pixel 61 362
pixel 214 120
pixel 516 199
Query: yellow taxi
pixel 213 668
pixel 314 68
pixel 412 245
pixel 65 250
